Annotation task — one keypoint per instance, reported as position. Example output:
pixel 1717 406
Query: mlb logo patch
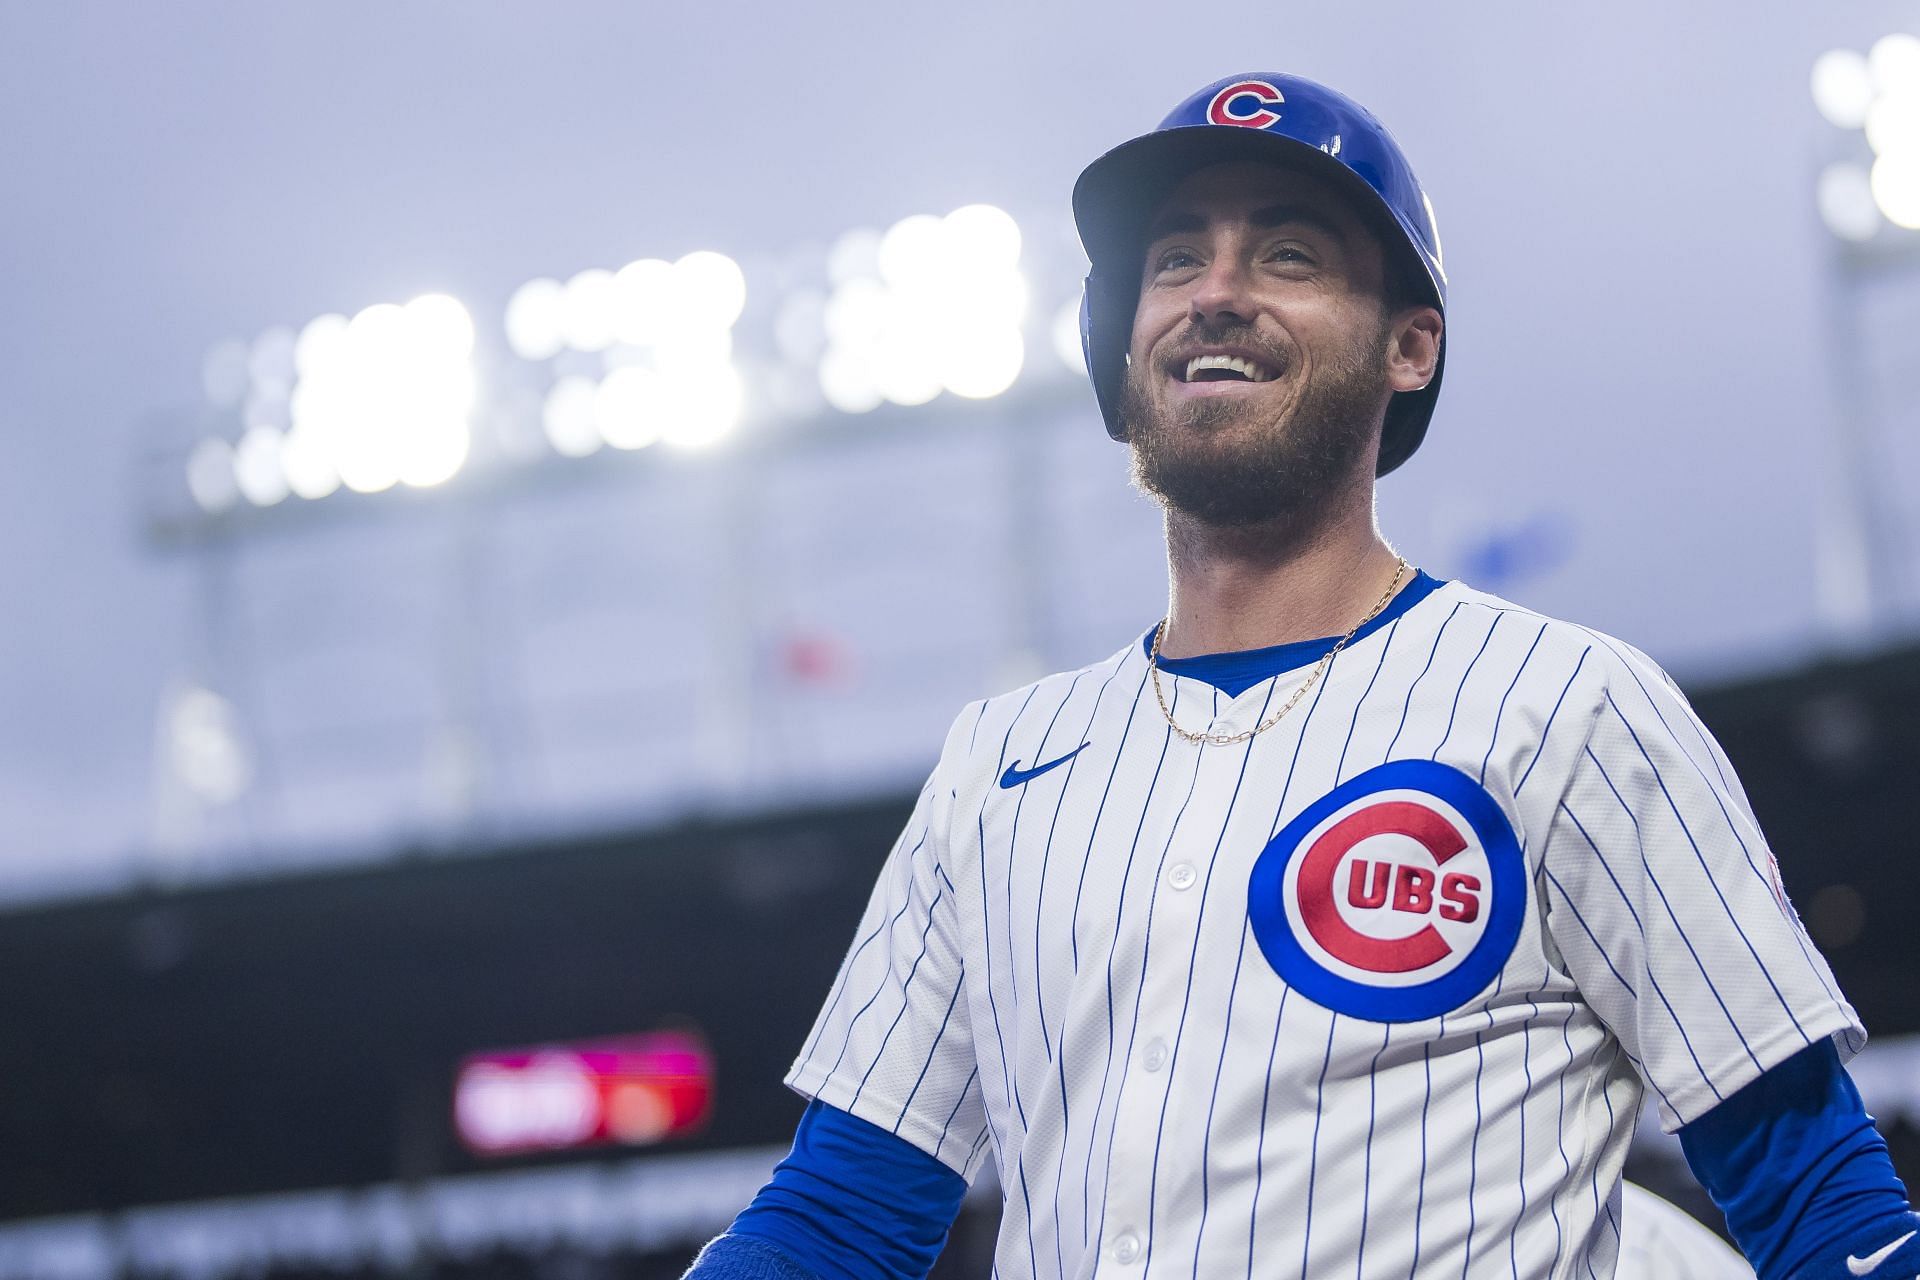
pixel 1396 896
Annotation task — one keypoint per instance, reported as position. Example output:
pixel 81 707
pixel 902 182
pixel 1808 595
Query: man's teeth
pixel 1232 364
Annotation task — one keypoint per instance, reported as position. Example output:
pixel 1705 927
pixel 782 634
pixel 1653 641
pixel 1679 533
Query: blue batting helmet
pixel 1259 116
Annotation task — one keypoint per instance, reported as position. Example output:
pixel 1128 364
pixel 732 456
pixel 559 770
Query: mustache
pixel 1203 333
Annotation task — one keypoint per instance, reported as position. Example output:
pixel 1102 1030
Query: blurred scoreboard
pixel 635 1090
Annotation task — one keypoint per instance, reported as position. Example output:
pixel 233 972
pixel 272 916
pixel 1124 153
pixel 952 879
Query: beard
pixel 1284 473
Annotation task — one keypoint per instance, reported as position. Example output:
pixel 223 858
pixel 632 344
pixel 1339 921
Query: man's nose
pixel 1222 291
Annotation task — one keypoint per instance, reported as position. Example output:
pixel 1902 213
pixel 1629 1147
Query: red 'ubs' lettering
pixel 1412 888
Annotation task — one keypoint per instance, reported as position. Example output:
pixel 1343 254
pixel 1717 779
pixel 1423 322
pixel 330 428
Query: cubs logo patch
pixel 1396 896
pixel 1246 102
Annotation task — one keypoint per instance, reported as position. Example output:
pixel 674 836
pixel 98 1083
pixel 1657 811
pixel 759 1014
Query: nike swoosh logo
pixel 1015 775
pixel 1871 1263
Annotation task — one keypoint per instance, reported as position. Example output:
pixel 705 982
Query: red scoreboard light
pixel 634 1090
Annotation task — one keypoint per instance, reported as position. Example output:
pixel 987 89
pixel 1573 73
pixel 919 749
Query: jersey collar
pixel 1236 672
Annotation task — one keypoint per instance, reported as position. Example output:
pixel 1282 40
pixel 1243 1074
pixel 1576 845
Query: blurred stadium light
pixel 646 353
pixel 1877 95
pixel 381 399
pixel 937 305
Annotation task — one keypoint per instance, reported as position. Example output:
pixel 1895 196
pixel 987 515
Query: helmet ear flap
pixel 1086 323
pixel 1106 331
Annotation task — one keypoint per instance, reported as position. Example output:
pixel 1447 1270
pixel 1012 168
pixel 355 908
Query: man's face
pixel 1258 369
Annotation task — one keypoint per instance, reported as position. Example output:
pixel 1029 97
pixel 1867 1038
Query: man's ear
pixel 1413 348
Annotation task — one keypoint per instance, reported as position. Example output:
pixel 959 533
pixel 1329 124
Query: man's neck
pixel 1236 589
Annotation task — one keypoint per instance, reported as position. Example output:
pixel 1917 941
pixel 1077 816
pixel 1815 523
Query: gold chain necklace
pixel 1228 739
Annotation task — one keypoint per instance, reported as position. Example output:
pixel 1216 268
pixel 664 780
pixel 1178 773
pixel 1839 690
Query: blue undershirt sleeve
pixel 850 1202
pixel 1794 1162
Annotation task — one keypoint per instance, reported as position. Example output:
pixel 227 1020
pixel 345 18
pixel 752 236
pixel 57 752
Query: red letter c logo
pixel 1245 102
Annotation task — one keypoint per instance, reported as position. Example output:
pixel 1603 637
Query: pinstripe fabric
pixel 1062 971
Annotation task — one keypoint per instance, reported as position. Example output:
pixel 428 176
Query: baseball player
pixel 1337 924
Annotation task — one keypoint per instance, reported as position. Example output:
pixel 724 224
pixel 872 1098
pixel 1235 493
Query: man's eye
pixel 1177 259
pixel 1287 253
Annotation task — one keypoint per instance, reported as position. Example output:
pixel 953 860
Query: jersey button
pixel 1181 875
pixel 1154 1056
pixel 1126 1247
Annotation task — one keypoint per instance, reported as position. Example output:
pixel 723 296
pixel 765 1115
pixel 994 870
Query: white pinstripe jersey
pixel 1373 994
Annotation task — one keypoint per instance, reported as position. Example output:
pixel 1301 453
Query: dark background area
pixel 305 1032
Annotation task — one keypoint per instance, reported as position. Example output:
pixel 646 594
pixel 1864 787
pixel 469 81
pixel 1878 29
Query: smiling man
pixel 1206 381
pixel 1338 924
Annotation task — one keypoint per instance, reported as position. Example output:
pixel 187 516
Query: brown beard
pixel 1288 475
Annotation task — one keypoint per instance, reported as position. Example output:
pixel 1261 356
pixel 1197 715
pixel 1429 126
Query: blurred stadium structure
pixel 550 685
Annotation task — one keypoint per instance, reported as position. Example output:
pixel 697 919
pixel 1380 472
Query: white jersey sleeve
pixel 1666 903
pixel 892 1044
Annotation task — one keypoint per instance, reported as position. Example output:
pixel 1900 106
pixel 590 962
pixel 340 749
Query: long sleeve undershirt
pixel 1794 1162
